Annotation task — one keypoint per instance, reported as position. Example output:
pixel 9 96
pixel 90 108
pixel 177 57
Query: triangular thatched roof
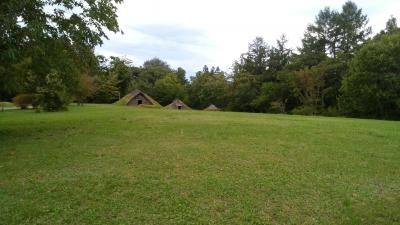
pixel 212 108
pixel 178 104
pixel 127 98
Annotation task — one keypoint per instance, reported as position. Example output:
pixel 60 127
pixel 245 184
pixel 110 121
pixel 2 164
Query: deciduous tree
pixel 371 88
pixel 169 88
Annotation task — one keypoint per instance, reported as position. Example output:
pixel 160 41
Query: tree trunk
pixel 2 105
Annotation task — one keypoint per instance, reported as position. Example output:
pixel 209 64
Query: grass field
pixel 103 164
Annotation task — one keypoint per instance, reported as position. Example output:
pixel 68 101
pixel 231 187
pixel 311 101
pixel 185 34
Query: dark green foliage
pixel 115 78
pixel 151 71
pixel 208 87
pixel 353 28
pixel 312 51
pixel 107 90
pixel 260 64
pixel 332 111
pixel 53 95
pixel 391 26
pixel 316 71
pixel 338 32
pixel 333 70
pixel 255 61
pixel 121 68
pixel 155 78
pixel 54 35
pixel 27 21
pixel 244 89
pixel 309 88
pixel 43 63
pixel 169 88
pixel 306 110
pixel 181 74
pixel 372 86
pixel 160 81
pixel 278 96
pixel 278 58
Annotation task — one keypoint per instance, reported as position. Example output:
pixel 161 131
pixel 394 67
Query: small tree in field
pixel 309 88
pixel 25 100
pixel 53 95
pixel 107 91
pixel 86 88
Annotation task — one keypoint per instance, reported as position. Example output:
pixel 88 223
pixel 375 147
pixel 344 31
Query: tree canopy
pixel 371 88
pixel 47 52
pixel 39 38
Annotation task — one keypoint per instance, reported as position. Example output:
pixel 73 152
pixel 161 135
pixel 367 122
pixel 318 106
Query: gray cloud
pixel 193 33
pixel 171 43
pixel 173 33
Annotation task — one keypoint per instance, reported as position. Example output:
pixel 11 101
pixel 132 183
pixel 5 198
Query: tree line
pixel 339 69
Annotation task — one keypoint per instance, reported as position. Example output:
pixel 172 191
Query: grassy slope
pixel 123 165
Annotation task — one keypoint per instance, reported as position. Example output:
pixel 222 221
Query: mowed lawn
pixel 104 164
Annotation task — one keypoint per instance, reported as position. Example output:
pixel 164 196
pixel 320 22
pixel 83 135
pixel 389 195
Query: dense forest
pixel 48 60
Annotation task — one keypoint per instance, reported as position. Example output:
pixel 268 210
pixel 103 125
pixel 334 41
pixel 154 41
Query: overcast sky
pixel 191 33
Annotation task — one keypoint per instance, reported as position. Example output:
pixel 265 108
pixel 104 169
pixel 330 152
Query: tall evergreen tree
pixel 391 26
pixel 353 27
pixel 278 57
pixel 121 68
pixel 255 60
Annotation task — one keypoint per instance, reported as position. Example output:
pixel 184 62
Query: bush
pixel 276 107
pixel 52 101
pixel 53 96
pixel 25 100
pixel 303 110
pixel 331 111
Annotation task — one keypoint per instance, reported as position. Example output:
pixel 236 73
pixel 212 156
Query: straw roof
pixel 127 98
pixel 178 104
pixel 212 107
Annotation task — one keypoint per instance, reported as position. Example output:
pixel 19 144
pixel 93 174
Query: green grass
pixel 104 164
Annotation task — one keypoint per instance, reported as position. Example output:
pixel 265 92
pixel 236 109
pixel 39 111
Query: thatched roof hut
pixel 137 98
pixel 212 107
pixel 178 104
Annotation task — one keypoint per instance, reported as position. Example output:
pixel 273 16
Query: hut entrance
pixel 139 101
pixel 179 107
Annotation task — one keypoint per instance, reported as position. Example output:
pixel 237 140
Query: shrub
pixel 303 110
pixel 53 95
pixel 331 111
pixel 25 100
pixel 276 107
pixel 52 101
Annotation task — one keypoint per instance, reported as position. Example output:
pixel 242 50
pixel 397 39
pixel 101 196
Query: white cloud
pixel 217 32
